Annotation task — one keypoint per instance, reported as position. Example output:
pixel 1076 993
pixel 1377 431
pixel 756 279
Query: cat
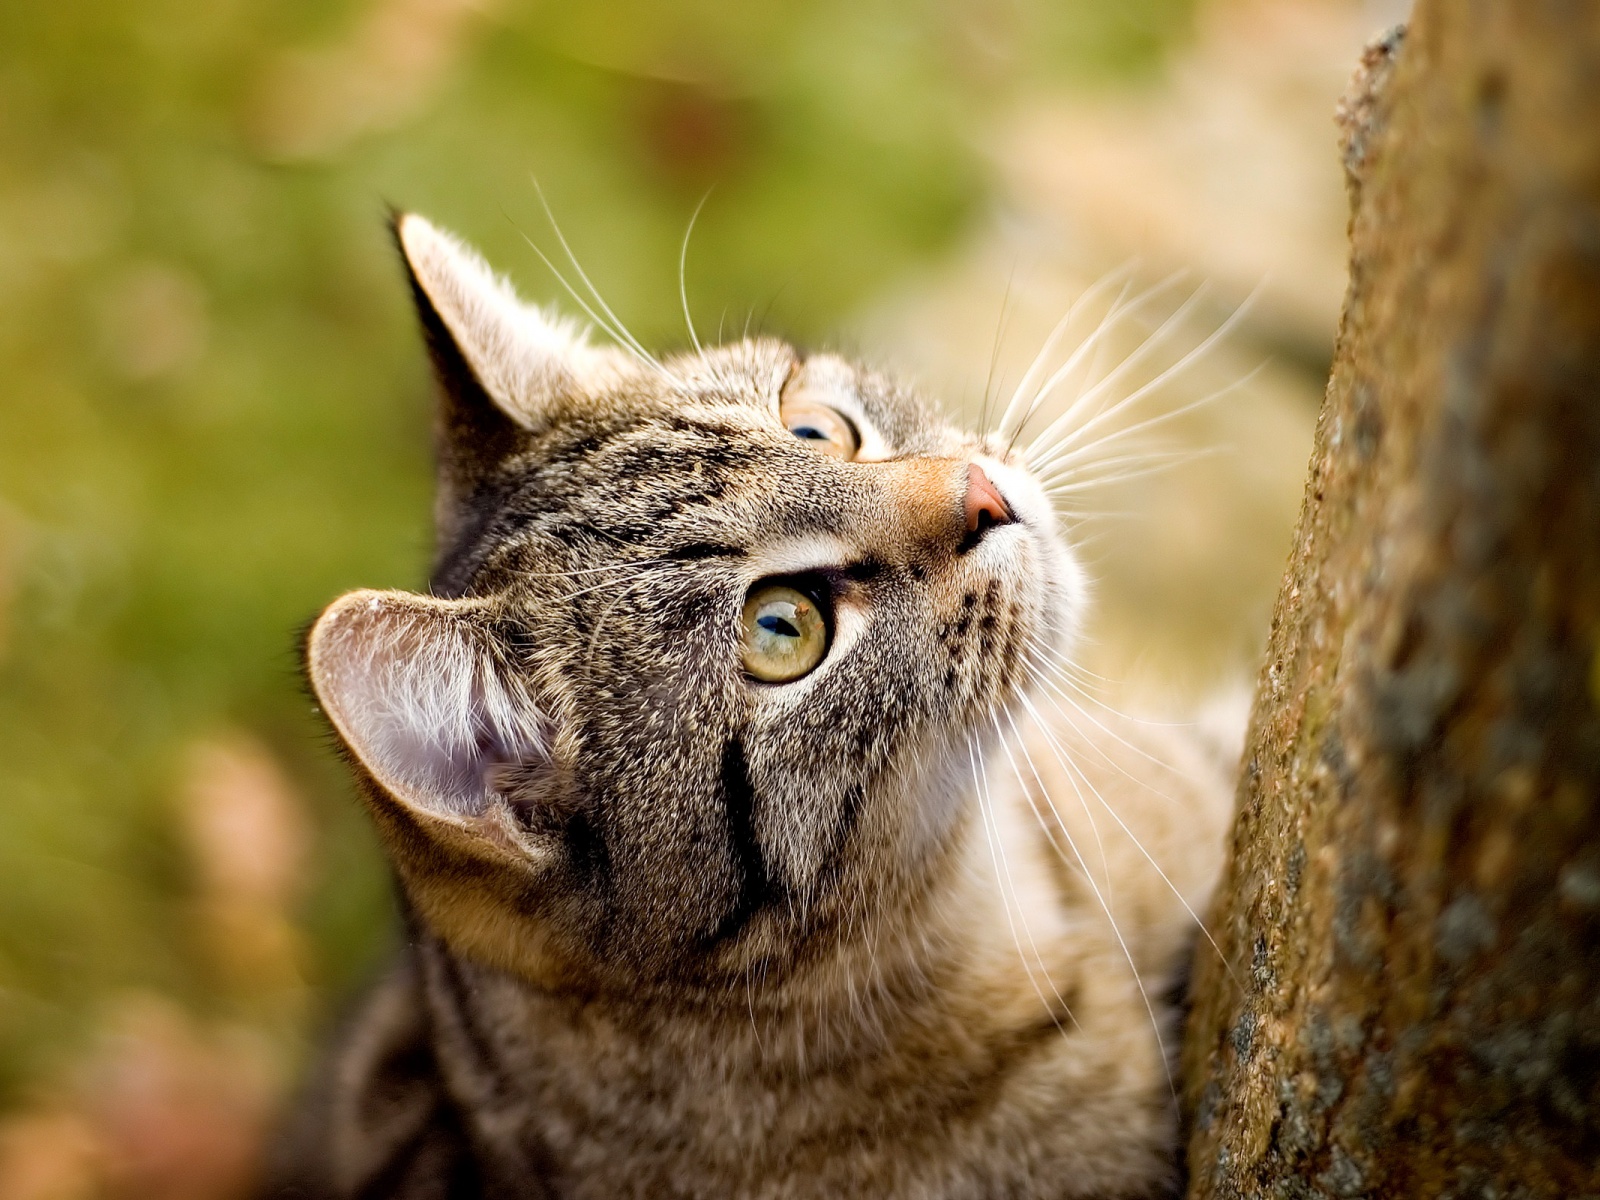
pixel 747 839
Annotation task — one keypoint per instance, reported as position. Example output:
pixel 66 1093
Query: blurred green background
pixel 213 419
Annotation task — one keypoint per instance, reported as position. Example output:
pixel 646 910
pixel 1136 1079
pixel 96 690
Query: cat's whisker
pixel 616 322
pixel 1027 796
pixel 1050 687
pixel 608 567
pixel 994 354
pixel 641 357
pixel 1060 656
pixel 1086 401
pixel 627 586
pixel 1093 343
pixel 1072 488
pixel 1113 436
pixel 1092 292
pixel 683 262
pixel 1057 665
pixel 1003 875
pixel 1074 768
pixel 1105 907
pixel 1082 518
pixel 750 1003
pixel 1089 469
pixel 1144 785
pixel 1105 862
pixel 1121 309
pixel 640 572
pixel 1073 484
pixel 1040 457
pixel 1087 456
pixel 1046 682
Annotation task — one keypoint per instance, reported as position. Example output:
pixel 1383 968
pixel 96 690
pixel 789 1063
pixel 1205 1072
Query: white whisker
pixel 1105 862
pixel 617 566
pixel 1061 327
pixel 1105 907
pixel 683 259
pixel 1096 341
pixel 622 343
pixel 1085 482
pixel 1070 437
pixel 1061 668
pixel 1073 768
pixel 644 569
pixel 1039 448
pixel 989 382
pixel 616 322
pixel 1046 682
pixel 1003 878
pixel 1114 436
pixel 1156 459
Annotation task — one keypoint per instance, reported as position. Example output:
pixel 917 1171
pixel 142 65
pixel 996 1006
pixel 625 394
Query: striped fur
pixel 677 933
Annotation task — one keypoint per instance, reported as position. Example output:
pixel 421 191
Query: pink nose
pixel 985 505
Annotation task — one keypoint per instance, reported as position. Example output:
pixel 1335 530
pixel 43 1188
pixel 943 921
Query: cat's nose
pixel 985 506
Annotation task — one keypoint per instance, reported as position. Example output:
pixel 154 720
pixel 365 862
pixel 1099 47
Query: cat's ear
pixel 499 363
pixel 425 696
pixel 419 690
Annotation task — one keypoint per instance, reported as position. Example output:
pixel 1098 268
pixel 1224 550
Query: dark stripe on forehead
pixel 739 802
pixel 697 551
pixel 623 481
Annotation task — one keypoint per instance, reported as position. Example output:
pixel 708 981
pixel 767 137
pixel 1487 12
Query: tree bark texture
pixel 1406 1001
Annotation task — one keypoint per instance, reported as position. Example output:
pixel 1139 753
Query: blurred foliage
pixel 213 414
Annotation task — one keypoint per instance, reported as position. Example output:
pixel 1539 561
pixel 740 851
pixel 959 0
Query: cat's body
pixel 701 907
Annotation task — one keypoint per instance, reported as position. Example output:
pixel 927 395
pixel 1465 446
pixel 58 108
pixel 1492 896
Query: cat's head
pixel 710 647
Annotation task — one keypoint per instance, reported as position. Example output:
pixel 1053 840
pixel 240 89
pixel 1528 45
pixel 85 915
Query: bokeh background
pixel 213 410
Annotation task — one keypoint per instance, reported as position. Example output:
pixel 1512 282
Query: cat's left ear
pixel 499 365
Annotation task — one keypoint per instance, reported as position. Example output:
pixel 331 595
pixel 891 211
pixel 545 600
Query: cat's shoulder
pixel 376 1119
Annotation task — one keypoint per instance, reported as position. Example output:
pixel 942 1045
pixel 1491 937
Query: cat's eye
pixel 785 634
pixel 820 425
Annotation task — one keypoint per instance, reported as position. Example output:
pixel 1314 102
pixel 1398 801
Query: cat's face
pixel 711 647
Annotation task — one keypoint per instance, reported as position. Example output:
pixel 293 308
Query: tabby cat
pixel 747 842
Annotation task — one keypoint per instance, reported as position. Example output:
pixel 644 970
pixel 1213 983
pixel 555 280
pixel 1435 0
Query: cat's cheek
pixel 943 803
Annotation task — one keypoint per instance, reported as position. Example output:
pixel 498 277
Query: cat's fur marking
pixel 679 933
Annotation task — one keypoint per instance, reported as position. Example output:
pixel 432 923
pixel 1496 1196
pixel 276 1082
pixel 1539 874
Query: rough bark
pixel 1407 996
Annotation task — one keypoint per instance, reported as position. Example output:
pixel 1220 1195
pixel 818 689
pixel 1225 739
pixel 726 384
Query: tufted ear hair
pixel 419 691
pixel 499 364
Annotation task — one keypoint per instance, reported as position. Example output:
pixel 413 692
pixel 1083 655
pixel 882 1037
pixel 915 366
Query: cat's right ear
pixel 499 364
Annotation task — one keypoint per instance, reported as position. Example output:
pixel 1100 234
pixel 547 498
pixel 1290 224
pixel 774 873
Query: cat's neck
pixel 968 951
pixel 925 1023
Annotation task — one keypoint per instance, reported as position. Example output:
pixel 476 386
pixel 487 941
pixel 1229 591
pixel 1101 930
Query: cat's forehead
pixel 760 373
pixel 694 463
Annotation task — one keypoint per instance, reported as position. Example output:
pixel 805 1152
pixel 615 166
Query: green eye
pixel 784 633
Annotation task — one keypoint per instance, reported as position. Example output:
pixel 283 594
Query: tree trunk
pixel 1407 996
